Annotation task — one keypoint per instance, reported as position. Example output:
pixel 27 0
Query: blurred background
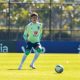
pixel 60 18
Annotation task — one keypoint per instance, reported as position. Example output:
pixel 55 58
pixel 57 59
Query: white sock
pixel 35 57
pixel 22 61
pixel 23 58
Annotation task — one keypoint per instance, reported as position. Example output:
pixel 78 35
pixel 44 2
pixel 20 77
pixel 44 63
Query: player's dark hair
pixel 34 14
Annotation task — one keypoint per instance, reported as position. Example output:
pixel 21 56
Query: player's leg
pixel 34 59
pixel 26 53
pixel 22 61
pixel 37 50
pixel 40 48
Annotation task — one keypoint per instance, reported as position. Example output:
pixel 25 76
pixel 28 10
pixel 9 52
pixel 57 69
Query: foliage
pixel 50 14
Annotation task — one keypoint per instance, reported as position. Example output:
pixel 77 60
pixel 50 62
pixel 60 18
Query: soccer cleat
pixel 20 67
pixel 33 67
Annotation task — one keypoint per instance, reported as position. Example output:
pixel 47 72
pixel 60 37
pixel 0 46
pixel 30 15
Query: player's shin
pixel 26 53
pixel 34 59
pixel 22 61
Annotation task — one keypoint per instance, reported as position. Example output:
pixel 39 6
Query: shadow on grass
pixel 20 70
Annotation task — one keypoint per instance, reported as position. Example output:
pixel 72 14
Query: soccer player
pixel 32 35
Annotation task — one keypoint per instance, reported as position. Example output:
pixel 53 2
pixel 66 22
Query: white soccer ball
pixel 59 68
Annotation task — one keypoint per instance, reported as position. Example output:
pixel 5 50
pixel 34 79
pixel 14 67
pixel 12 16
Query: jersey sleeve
pixel 25 34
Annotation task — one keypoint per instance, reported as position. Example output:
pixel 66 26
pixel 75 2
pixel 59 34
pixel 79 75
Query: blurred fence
pixel 60 21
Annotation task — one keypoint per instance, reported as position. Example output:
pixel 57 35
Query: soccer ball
pixel 59 68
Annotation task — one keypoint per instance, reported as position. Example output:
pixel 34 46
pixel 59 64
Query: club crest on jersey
pixel 35 33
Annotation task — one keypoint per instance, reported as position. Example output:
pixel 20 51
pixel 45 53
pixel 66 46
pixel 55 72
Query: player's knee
pixel 40 50
pixel 27 52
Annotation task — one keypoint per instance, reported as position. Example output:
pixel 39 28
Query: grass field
pixel 45 67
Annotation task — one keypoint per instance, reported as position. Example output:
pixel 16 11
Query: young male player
pixel 32 35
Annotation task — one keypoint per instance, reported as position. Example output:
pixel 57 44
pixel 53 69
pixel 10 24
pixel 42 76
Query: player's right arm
pixel 25 34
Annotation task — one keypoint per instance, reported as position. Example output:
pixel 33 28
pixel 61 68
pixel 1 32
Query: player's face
pixel 34 19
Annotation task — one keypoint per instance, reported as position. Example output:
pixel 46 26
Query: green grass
pixel 45 67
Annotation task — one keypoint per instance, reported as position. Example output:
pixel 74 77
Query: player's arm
pixel 25 34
